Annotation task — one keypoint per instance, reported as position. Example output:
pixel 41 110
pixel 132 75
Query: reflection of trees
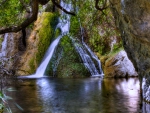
pixel 116 94
pixel 80 96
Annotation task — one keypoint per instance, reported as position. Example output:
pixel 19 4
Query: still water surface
pixel 90 95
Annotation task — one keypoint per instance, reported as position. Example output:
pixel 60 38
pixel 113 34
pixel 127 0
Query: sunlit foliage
pixel 11 12
pixel 99 27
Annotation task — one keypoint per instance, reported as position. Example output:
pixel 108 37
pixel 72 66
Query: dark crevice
pixel 24 37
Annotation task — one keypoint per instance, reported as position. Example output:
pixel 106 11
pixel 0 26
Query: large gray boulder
pixel 119 66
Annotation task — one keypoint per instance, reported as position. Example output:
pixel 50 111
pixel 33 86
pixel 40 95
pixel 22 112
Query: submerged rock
pixel 119 66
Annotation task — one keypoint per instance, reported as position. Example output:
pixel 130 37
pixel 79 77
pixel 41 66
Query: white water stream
pixel 4 46
pixel 84 51
pixel 88 57
pixel 64 26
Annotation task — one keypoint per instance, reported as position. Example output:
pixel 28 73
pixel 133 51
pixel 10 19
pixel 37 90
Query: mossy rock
pixel 38 42
pixel 70 65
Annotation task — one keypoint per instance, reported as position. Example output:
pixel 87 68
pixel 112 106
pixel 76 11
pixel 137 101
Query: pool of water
pixel 90 95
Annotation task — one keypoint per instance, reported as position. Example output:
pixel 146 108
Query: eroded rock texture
pixel 133 20
pixel 119 66
pixel 37 43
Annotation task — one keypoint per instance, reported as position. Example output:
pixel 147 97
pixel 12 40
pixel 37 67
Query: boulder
pixel 119 66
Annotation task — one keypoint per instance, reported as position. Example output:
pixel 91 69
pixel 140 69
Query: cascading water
pixel 93 56
pixel 63 25
pixel 87 59
pixel 87 56
pixel 84 51
pixel 4 46
pixel 41 69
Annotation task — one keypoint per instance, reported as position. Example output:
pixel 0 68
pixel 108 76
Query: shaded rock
pixel 37 43
pixel 119 66
pixel 132 19
pixel 9 50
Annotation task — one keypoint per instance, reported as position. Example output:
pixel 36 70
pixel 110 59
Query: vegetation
pixel 9 10
pixel 98 23
pixel 91 20
pixel 70 64
pixel 4 101
pixel 48 23
pixel 46 34
pixel 99 29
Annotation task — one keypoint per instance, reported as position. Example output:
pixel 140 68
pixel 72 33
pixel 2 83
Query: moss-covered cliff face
pixel 66 63
pixel 133 20
pixel 37 43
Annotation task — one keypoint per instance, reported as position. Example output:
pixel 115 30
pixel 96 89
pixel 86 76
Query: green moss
pixel 46 34
pixel 74 27
pixel 1 40
pixel 32 66
pixel 57 32
pixel 70 64
pixel 116 51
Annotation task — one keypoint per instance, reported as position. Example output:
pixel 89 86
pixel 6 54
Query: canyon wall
pixel 133 20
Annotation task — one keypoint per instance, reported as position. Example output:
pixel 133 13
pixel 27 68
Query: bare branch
pixel 60 7
pixel 32 15
pixel 28 21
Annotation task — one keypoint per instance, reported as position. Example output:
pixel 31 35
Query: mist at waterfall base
pixel 87 56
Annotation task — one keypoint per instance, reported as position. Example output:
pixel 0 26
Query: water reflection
pixel 92 95
pixel 122 95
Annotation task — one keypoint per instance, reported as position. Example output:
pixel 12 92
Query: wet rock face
pixel 9 50
pixel 119 66
pixel 133 20
pixel 37 43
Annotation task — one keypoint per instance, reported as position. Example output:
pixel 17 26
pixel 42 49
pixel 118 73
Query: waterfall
pixel 4 46
pixel 41 69
pixel 64 26
pixel 88 57
pixel 83 50
pixel 94 57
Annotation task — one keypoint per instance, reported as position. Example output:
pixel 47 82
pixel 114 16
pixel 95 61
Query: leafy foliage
pixel 99 26
pixel 11 13
pixel 4 104
pixel 67 61
pixel 48 22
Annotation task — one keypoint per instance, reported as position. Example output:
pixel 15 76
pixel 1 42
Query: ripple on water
pixel 92 95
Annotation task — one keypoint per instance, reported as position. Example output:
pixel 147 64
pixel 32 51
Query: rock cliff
pixel 133 20
pixel 37 43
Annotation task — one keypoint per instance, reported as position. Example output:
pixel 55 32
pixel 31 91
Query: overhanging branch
pixel 32 15
pixel 28 21
pixel 60 7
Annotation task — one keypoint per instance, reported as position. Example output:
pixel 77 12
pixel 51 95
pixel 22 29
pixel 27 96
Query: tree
pixel 16 15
